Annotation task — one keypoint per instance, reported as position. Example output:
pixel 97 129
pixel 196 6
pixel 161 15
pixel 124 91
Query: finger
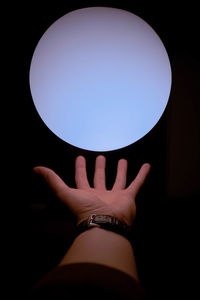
pixel 52 179
pixel 120 181
pixel 138 182
pixel 99 174
pixel 81 174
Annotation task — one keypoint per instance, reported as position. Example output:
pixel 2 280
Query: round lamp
pixel 100 78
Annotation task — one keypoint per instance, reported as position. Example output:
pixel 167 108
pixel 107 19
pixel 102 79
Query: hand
pixel 85 200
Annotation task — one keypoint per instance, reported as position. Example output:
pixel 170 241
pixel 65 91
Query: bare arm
pixel 102 247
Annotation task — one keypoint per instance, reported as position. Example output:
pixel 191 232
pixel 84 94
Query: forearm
pixel 103 247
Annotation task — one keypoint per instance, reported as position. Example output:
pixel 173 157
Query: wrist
pixel 107 222
pixel 100 235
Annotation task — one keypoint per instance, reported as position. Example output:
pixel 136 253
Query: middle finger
pixel 99 175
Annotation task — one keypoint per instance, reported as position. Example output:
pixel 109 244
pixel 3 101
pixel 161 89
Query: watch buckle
pixel 91 221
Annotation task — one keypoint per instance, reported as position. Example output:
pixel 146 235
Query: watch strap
pixel 106 222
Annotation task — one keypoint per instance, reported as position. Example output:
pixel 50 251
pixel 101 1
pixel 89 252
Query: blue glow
pixel 100 78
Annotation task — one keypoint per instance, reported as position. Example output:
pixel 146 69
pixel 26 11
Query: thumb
pixel 52 179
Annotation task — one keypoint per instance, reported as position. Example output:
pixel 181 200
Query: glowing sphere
pixel 100 78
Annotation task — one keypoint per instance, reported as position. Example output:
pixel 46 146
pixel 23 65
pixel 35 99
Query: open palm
pixel 85 200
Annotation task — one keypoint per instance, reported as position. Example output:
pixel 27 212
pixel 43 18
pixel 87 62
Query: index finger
pixel 80 173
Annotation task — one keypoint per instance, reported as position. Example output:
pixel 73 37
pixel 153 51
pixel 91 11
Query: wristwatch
pixel 106 222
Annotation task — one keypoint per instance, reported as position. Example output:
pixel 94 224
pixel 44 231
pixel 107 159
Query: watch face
pixel 103 219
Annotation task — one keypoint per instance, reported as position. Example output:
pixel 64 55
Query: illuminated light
pixel 100 78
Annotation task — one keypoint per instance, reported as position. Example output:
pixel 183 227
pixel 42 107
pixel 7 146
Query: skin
pixel 84 200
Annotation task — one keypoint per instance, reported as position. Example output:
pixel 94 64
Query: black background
pixel 167 205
